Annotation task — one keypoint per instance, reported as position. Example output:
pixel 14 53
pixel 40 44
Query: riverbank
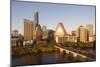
pixel 20 51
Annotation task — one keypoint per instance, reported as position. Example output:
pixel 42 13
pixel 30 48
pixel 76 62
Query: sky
pixel 50 14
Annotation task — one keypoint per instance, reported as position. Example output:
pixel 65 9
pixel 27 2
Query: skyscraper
pixel 74 33
pixel 14 38
pixel 73 37
pixel 82 34
pixel 89 28
pixel 15 33
pixel 36 26
pixel 60 34
pixel 28 30
pixel 77 32
pixel 45 33
pixel 60 30
pixel 36 17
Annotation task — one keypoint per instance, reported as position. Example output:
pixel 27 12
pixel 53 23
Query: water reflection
pixel 42 58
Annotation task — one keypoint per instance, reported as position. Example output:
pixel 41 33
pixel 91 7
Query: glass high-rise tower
pixel 36 17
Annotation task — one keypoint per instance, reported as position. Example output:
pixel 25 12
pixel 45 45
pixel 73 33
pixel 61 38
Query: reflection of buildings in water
pixel 32 59
pixel 58 57
pixel 27 59
pixel 41 58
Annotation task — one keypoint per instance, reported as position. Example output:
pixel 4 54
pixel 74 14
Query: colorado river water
pixel 41 58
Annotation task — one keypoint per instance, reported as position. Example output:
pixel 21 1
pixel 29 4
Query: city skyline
pixel 67 14
pixel 50 33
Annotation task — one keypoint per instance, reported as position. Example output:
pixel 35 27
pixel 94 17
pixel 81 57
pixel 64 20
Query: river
pixel 41 58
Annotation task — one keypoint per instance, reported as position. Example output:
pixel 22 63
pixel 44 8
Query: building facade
pixel 28 30
pixel 89 28
pixel 45 33
pixel 16 39
pixel 82 34
pixel 36 17
pixel 38 33
pixel 60 34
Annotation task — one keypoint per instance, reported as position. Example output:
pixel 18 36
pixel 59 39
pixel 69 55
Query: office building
pixel 60 34
pixel 36 17
pixel 38 33
pixel 14 33
pixel 89 28
pixel 45 33
pixel 28 30
pixel 16 39
pixel 82 34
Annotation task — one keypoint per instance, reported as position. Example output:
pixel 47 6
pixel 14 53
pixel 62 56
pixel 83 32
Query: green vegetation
pixel 24 51
pixel 79 45
pixel 19 51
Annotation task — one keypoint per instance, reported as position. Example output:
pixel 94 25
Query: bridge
pixel 75 54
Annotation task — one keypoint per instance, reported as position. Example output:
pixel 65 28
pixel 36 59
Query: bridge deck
pixel 68 51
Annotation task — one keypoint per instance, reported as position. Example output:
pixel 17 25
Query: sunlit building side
pixel 82 34
pixel 28 30
pixel 89 28
pixel 60 34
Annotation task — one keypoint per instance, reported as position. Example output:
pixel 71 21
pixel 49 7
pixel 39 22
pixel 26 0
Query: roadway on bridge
pixel 76 51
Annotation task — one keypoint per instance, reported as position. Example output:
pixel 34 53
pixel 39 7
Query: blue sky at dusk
pixel 72 16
